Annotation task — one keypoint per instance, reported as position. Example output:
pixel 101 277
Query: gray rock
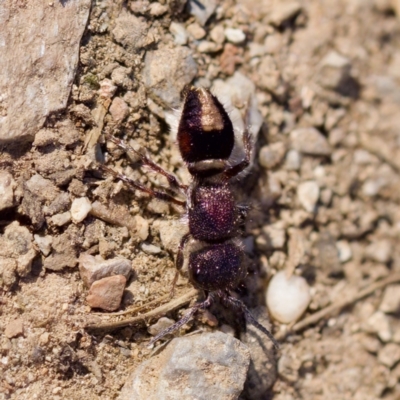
pixel 7 186
pixel 202 367
pixel 16 244
pixel 132 32
pixel 293 160
pixel 202 9
pixel 37 74
pixel 272 155
pixel 94 268
pixel 166 72
pixel 310 141
pixel 171 233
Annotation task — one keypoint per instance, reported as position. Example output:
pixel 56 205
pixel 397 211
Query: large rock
pixel 39 55
pixel 202 367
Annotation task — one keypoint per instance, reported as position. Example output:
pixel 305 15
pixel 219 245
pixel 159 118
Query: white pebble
pixel 179 32
pixel 44 243
pixel 80 208
pixel 287 298
pixel 235 35
pixel 150 248
pixel 308 194
pixel 344 250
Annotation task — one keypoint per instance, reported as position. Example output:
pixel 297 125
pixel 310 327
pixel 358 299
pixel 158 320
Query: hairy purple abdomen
pixel 213 213
pixel 217 267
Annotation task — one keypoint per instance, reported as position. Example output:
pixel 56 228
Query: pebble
pixel 380 251
pixel 157 9
pixel 334 69
pixel 378 323
pixel 160 325
pixel 293 160
pixel 276 235
pixel 344 250
pixel 157 206
pixel 121 77
pixel 310 141
pixel 141 227
pixel 217 34
pixel 283 11
pixel 179 32
pixel 61 219
pixel 94 268
pixel 107 89
pixel 203 10
pixel 14 328
pixel 389 355
pixel 16 244
pixel 80 208
pixel 7 186
pixel 119 110
pixel 107 293
pixel 391 300
pixel 150 248
pixel 132 32
pixel 166 72
pixel 235 36
pixel 271 155
pixel 44 243
pixel 206 46
pixel 205 366
pixel 171 233
pixel 196 31
pixel 308 194
pixel 287 298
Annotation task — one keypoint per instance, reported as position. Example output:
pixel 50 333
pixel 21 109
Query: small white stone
pixel 287 298
pixel 61 219
pixel 150 248
pixel 235 35
pixel 44 243
pixel 80 208
pixel 179 32
pixel 344 250
pixel 308 194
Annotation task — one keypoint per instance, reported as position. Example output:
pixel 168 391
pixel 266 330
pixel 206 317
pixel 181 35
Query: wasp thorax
pixel 205 130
